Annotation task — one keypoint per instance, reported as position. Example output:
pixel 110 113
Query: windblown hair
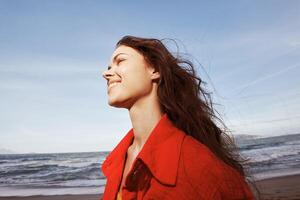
pixel 187 103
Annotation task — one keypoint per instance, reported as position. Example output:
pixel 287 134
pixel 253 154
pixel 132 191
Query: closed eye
pixel 120 60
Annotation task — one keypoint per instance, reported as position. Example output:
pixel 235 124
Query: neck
pixel 144 119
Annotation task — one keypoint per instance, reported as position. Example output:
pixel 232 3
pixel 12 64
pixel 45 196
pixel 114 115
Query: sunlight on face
pixel 129 77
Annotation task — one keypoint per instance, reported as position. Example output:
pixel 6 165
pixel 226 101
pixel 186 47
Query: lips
pixel 112 84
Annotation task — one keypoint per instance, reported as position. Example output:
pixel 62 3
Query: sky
pixel 52 54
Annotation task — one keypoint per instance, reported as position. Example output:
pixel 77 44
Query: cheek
pixel 135 78
pixel 138 83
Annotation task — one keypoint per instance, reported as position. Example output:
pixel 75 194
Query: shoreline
pixel 282 187
pixel 56 197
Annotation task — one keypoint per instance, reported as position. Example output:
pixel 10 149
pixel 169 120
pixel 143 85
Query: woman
pixel 176 149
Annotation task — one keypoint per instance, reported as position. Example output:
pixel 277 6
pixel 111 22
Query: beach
pixel 56 197
pixel 57 176
pixel 285 187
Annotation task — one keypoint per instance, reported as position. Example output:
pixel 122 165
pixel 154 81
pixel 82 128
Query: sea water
pixel 80 173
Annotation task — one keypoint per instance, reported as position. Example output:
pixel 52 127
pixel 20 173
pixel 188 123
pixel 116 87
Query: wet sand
pixel 57 197
pixel 285 187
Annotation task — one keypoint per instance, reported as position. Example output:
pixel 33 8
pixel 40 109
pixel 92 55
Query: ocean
pixel 80 173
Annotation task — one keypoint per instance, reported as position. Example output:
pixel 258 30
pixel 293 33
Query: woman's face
pixel 128 76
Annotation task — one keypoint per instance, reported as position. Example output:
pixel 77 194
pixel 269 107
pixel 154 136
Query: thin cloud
pixel 268 76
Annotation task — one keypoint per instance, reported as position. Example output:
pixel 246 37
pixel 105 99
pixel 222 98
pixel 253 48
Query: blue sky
pixel 53 97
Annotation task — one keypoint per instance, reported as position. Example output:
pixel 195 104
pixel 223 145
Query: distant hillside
pixel 6 151
pixel 242 138
pixel 245 136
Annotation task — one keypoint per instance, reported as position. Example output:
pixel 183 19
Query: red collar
pixel 160 153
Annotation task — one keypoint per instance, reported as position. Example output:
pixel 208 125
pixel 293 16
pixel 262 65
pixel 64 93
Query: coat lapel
pixel 160 153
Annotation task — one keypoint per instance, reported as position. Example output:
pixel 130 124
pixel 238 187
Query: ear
pixel 154 74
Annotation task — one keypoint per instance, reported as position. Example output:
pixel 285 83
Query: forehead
pixel 126 50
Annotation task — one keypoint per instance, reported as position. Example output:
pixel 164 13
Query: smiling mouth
pixel 113 84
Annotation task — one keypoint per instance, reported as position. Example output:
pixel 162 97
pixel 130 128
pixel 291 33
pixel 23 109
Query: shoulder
pixel 197 155
pixel 207 174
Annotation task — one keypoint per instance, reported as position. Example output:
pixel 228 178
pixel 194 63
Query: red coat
pixel 172 165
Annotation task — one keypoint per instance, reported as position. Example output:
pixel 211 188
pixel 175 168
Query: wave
pixel 82 170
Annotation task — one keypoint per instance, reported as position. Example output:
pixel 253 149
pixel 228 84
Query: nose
pixel 106 74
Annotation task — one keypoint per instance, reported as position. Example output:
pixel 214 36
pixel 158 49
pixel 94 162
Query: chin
pixel 120 104
pixel 115 104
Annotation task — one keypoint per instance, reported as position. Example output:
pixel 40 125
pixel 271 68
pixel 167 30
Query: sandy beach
pixel 286 187
pixel 57 197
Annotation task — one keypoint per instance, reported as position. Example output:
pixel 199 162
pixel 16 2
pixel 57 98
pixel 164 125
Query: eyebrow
pixel 114 59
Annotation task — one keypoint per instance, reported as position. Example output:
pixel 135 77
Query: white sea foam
pixel 80 173
pixel 276 173
pixel 271 153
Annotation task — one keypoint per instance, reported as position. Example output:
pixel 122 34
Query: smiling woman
pixel 131 80
pixel 176 148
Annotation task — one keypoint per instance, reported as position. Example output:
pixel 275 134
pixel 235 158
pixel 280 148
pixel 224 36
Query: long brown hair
pixel 187 103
